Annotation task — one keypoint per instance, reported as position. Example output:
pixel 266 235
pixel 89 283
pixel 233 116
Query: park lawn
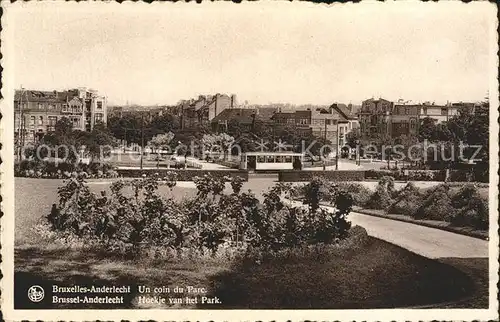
pixel 377 275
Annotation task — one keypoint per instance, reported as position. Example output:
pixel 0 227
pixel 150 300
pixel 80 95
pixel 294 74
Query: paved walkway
pixel 207 165
pixel 425 241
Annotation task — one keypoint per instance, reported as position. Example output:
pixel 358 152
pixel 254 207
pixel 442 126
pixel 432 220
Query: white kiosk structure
pixel 270 160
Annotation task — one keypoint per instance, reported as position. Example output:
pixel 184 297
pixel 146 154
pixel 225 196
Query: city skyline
pixel 160 56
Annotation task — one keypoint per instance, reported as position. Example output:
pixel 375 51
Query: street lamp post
pixel 324 161
pixel 358 155
pixel 21 126
pixel 142 138
pixel 337 148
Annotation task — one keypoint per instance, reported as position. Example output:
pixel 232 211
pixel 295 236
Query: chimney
pixel 233 100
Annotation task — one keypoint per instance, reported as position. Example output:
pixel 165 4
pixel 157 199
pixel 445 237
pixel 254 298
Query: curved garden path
pixel 425 241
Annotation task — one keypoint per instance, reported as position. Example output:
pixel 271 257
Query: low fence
pixel 338 175
pixel 182 174
pixel 461 175
pixel 408 175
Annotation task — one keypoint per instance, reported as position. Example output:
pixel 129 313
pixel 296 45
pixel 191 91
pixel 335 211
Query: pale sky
pixel 262 52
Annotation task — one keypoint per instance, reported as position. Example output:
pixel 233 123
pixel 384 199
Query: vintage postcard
pixel 261 161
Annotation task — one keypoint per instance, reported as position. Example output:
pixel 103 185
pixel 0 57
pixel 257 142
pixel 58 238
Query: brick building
pixel 383 118
pixel 201 111
pixel 322 122
pixel 38 111
pixel 375 118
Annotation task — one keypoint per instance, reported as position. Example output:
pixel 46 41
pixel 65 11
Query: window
pixel 279 159
pixel 76 122
pixel 270 159
pixel 328 122
pixel 99 117
pixel 99 105
pixel 32 120
pixel 261 159
pixel 40 120
pixel 52 120
pixel 444 111
pixel 40 106
pixel 288 158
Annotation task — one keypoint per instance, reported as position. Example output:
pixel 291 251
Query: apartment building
pixel 202 110
pixel 382 118
pixel 404 120
pixel 441 113
pixel 375 118
pixel 37 112
pixel 322 122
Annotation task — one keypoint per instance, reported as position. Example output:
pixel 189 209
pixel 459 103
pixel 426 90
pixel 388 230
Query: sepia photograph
pixel 220 158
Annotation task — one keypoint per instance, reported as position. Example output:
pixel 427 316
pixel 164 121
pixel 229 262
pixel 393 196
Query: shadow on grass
pixel 69 267
pixel 478 270
pixel 379 275
pixel 62 268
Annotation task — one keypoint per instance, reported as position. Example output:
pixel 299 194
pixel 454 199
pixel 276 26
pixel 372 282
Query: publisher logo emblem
pixel 36 293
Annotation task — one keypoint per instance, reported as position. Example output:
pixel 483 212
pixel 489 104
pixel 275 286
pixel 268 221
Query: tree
pixel 221 141
pixel 98 142
pixel 427 129
pixel 127 127
pixel 63 126
pixel 353 137
pixel 226 141
pixel 161 141
pixel 164 123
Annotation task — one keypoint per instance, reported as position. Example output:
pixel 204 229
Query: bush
pixel 359 192
pixel 183 174
pixel 407 175
pixel 130 224
pixel 471 209
pixel 382 197
pixel 338 175
pixel 436 204
pixel 379 174
pixel 407 200
pixel 61 170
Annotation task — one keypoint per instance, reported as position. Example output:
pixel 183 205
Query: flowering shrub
pixel 407 200
pixel 359 193
pixel 472 210
pixel 436 204
pixel 63 170
pixel 202 224
pixel 382 197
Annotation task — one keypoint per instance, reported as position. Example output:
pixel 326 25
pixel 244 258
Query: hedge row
pixel 461 206
pixel 405 175
pixel 473 175
pixel 339 175
pixel 183 174
pixel 61 170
